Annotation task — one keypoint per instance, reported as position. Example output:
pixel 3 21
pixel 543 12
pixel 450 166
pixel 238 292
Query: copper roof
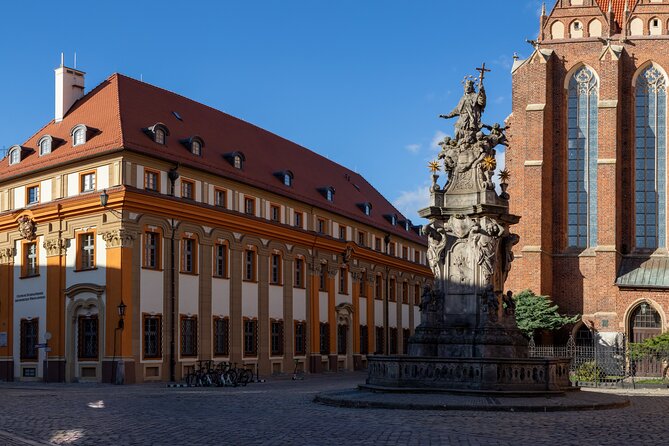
pixel 120 108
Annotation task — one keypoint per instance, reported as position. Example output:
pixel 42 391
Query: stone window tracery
pixel 582 123
pixel 650 159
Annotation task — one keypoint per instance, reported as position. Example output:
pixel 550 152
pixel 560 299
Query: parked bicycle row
pixel 208 374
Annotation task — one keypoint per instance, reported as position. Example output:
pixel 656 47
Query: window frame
pixel 342 232
pixel 14 155
pixel 92 265
pixel 157 249
pixel 27 354
pixel 81 329
pixel 187 255
pixel 298 273
pixel 321 226
pixel 186 185
pixel 250 265
pixel 275 211
pixel 221 339
pixel 249 205
pixel 158 336
pixel 82 181
pixel 298 219
pixel 45 145
pixel 30 187
pixel 27 269
pixel 276 337
pixel 218 193
pixel 147 174
pixel 362 238
pixel 193 337
pixel 217 271
pixel 252 335
pixel 343 280
pixel 275 269
pixel 324 338
pixel 300 338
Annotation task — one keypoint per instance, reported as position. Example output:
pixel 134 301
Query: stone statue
pixel 469 110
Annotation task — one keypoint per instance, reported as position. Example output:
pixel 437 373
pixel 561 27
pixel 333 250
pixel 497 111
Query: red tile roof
pixel 618 7
pixel 120 108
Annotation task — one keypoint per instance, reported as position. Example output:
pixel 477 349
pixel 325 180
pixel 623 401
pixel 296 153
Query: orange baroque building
pixel 141 232
pixel 588 160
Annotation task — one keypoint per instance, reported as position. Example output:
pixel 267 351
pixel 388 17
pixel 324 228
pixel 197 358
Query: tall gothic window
pixel 650 158
pixel 582 159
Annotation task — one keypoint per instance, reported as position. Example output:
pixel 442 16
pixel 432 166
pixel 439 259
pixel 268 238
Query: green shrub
pixel 589 372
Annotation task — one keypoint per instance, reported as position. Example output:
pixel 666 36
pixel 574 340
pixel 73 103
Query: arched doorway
pixel 84 333
pixel 645 322
pixel 344 336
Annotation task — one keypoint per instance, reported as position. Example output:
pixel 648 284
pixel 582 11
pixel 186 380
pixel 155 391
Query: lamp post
pixel 386 328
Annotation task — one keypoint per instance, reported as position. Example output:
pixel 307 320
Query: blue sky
pixel 361 82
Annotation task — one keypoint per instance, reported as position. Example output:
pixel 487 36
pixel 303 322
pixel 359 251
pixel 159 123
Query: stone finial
pixel 119 238
pixel 55 247
pixel 7 256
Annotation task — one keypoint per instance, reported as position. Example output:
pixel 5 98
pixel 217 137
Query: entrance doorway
pixel 645 323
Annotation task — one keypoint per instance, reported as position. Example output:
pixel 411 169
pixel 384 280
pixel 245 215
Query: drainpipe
pixel 172 175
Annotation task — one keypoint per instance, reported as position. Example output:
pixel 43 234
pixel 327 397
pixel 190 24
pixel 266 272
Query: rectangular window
pixel 30 264
pixel 86 251
pixel 393 340
pixel 188 336
pixel 379 340
pixel 416 256
pixel 391 249
pixel 32 195
pixel 361 238
pixel 220 260
pixel 377 243
pixel 250 265
pixel 342 232
pixel 189 256
pixel 363 284
pixel 325 338
pixel 276 338
pixel 364 340
pixel 220 198
pixel 275 213
pixel 275 273
pixel 87 182
pixel 250 337
pixel 405 253
pixel 29 331
pixel 88 338
pixel 392 297
pixel 321 226
pixel 298 219
pixel 321 278
pixel 250 206
pixel 153 336
pixel 343 281
pixel 377 288
pixel 221 336
pixel 152 180
pixel 152 250
pixel 299 273
pixel 187 189
pixel 300 338
pixel 416 294
pixel 342 336
pixel 405 292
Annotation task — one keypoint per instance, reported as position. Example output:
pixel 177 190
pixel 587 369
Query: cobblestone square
pixel 281 412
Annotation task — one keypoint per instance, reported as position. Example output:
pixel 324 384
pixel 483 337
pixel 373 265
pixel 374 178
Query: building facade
pixel 588 160
pixel 142 232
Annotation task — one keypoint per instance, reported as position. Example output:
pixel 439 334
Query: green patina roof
pixel 644 272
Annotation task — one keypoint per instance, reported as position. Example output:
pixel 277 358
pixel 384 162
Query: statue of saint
pixel 469 110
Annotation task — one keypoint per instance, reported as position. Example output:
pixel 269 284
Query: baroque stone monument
pixel 468 338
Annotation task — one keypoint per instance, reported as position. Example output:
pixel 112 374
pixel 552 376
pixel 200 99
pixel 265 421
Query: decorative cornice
pixel 119 238
pixel 332 272
pixel 55 247
pixel 7 256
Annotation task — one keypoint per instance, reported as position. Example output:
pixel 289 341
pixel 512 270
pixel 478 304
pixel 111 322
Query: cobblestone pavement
pixel 281 412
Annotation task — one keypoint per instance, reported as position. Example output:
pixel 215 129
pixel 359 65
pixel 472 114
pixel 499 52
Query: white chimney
pixel 69 88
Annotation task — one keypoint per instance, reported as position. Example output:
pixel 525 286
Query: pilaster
pixel 236 326
pixel 55 305
pixel 264 367
pixel 313 322
pixel 205 304
pixel 288 325
pixel 7 312
pixel 332 318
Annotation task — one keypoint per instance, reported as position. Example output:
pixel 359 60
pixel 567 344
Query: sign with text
pixel 29 296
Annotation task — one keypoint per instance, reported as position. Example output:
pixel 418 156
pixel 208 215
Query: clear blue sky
pixel 361 82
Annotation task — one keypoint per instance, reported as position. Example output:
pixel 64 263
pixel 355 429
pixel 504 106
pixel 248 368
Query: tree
pixel 535 312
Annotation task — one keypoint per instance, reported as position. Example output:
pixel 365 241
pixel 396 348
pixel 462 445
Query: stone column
pixel 119 243
pixel 264 366
pixel 236 327
pixel 313 322
pixel 55 306
pixel 7 312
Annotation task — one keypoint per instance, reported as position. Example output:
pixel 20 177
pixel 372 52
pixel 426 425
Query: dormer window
pixel 236 159
pixel 407 225
pixel 366 208
pixel 392 218
pixel 45 145
pixel 158 132
pixel 194 144
pixel 79 135
pixel 328 192
pixel 286 177
pixel 15 155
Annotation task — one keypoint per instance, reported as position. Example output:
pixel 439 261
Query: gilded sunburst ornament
pixel 489 163
pixel 504 175
pixel 433 166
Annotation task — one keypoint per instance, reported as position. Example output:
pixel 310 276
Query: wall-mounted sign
pixel 29 296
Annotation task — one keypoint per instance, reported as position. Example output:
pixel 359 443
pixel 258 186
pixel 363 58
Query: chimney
pixel 69 88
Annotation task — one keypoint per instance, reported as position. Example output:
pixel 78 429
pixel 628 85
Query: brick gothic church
pixel 588 160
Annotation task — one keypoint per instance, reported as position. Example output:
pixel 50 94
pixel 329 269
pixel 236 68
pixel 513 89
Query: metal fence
pixel 597 363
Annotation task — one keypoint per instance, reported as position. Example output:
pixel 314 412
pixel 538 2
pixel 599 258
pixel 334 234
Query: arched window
pixel 45 143
pixel 645 323
pixel 15 155
pixel 79 135
pixel 582 159
pixel 650 158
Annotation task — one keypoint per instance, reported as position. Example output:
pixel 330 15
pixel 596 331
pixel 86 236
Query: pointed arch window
pixel 650 146
pixel 582 159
